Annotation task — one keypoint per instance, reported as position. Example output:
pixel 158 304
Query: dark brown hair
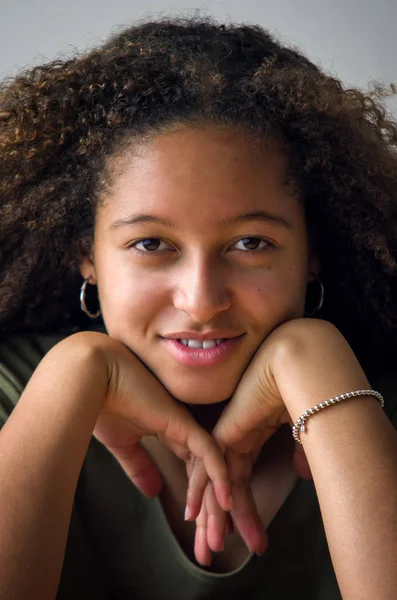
pixel 59 122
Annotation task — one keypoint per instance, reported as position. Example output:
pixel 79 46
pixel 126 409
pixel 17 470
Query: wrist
pixel 301 424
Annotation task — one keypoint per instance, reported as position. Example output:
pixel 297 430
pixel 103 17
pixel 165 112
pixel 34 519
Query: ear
pixel 87 269
pixel 314 267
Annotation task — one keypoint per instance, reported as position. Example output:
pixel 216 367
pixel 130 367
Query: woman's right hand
pixel 137 405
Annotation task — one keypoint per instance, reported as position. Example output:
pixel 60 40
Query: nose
pixel 201 290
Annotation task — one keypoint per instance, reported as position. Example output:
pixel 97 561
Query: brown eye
pixel 251 244
pixel 149 245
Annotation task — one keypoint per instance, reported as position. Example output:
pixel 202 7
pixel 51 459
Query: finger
pixel 198 480
pixel 247 521
pixel 216 520
pixel 178 449
pixel 189 467
pixel 207 451
pixel 202 551
pixel 244 514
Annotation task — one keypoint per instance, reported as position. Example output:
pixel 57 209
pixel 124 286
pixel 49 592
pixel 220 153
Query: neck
pixel 207 415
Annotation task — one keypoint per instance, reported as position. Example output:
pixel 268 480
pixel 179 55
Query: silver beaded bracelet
pixel 299 425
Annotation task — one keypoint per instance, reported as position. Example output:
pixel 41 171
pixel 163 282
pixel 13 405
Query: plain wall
pixel 355 39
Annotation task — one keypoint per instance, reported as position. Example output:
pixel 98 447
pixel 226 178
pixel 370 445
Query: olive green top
pixel 120 545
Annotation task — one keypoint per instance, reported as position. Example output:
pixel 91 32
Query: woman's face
pixel 199 240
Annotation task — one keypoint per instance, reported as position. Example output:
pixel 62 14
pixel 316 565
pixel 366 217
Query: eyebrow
pixel 259 215
pixel 135 219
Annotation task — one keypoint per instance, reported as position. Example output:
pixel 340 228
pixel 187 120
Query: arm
pixel 352 452
pixel 88 383
pixel 351 448
pixel 42 448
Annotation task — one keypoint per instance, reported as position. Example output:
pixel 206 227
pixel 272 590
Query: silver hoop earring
pixel 321 301
pixel 83 305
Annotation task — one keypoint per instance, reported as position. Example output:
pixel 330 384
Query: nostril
pixel 201 304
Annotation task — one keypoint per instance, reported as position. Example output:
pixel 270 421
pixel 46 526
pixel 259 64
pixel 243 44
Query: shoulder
pixel 19 356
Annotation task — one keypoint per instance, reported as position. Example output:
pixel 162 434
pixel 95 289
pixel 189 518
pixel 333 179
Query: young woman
pixel 200 192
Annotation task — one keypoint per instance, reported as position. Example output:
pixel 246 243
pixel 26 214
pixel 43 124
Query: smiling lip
pixel 215 334
pixel 201 357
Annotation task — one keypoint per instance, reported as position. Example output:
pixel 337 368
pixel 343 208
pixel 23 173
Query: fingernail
pixel 187 513
pixel 229 503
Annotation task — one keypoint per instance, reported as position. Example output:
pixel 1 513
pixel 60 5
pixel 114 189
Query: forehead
pixel 194 172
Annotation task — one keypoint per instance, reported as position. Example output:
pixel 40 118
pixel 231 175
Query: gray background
pixel 354 39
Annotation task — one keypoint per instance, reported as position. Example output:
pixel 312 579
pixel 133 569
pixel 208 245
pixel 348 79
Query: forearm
pixel 42 448
pixel 352 453
pixel 351 448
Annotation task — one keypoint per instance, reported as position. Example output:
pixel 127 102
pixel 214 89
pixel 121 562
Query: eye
pixel 150 245
pixel 251 244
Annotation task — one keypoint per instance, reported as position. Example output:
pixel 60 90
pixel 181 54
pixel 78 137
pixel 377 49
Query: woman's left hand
pixel 253 415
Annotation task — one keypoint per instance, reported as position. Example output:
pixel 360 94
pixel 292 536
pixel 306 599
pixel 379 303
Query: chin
pixel 199 400
pixel 202 396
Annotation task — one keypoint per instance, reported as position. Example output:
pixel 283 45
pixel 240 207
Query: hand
pixel 254 413
pixel 137 405
pixel 244 427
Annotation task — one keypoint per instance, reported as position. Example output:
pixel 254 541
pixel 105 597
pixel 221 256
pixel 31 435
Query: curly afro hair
pixel 60 123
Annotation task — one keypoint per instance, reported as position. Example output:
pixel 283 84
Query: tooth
pixel 194 344
pixel 209 344
pixel 184 342
pixel 219 341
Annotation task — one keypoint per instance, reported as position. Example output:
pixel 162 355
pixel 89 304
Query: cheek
pixel 128 297
pixel 276 295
